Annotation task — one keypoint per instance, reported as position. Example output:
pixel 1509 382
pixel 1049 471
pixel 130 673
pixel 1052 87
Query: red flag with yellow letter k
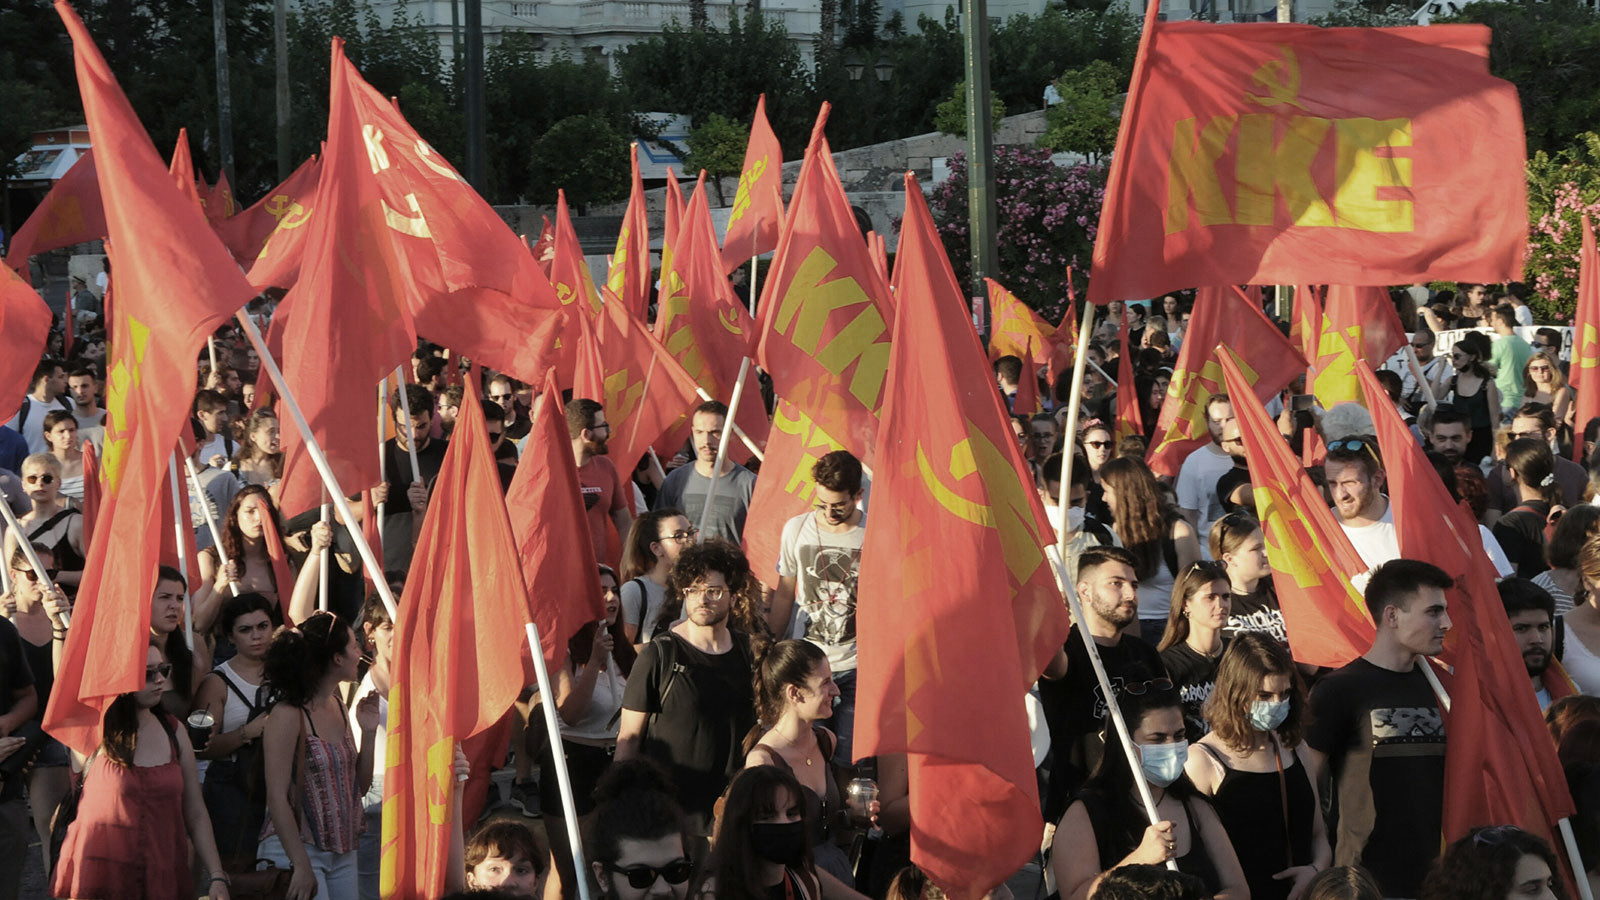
pixel 1292 154
pixel 959 611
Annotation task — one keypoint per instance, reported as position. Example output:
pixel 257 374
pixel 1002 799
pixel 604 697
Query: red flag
pixel 1250 156
pixel 648 395
pixel 552 531
pixel 1130 417
pixel 1221 316
pixel 1026 402
pixel 794 447
pixel 878 249
pixel 544 249
pixel 277 259
pixel 71 213
pixel 1502 768
pixel 1358 324
pixel 957 528
pixel 1305 328
pixel 589 381
pixel 92 487
pixel 451 678
pixel 1018 329
pixel 24 329
pixel 569 273
pixel 285 206
pixel 1063 353
pixel 1585 374
pixel 175 281
pixel 182 169
pixel 674 218
pixel 1325 615
pixel 218 200
pixel 629 274
pixel 825 311
pixel 758 206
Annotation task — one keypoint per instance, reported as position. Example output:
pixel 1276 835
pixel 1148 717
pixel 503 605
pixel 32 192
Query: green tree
pixel 584 155
pixel 717 145
pixel 1365 14
pixel 1030 52
pixel 1562 189
pixel 951 117
pixel 1083 122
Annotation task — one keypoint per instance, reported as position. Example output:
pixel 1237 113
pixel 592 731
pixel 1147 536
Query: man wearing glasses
pixel 819 559
pixel 605 494
pixel 503 392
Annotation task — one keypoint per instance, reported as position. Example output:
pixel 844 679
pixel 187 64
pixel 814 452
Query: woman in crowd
pixel 189 667
pixel 795 691
pixel 1106 826
pixel 1239 542
pixel 1521 530
pixel 1471 390
pixel 377 633
pixel 654 543
pixel 505 856
pixel 1193 642
pixel 37 617
pixel 258 562
pixel 315 776
pixel 1152 390
pixel 1499 862
pixel 235 695
pixel 1542 382
pixel 1098 446
pixel 52 522
pixel 1342 883
pixel 61 433
pixel 1253 766
pixel 141 795
pixel 1150 527
pixel 637 840
pixel 589 702
pixel 259 459
pixel 1576 527
pixel 763 845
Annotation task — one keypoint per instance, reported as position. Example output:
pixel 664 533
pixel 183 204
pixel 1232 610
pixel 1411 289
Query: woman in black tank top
pixel 1253 766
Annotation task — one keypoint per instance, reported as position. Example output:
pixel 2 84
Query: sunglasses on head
pixel 642 876
pixel 1140 688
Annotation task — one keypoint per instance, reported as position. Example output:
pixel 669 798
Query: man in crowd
pixel 1449 434
pixel 1355 480
pixel 403 497
pixel 450 407
pixel 1197 478
pixel 605 493
pixel 1532 612
pixel 819 560
pixel 687 487
pixel 216 445
pixel 1507 357
pixel 503 391
pixel 1233 486
pixel 1042 431
pixel 1534 421
pixel 1075 708
pixel 699 725
pixel 1413 394
pixel 84 386
pixel 1377 733
pixel 46 393
pixel 1007 376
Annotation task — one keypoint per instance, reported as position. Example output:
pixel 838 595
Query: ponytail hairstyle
pixel 299 657
pixel 1535 466
pixel 120 727
pixel 783 664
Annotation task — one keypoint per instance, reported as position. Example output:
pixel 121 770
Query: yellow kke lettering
pixel 747 180
pixel 807 306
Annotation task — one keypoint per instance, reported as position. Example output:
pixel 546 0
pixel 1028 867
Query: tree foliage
pixel 597 175
pixel 1084 121
pixel 717 146
pixel 951 116
pixel 1031 52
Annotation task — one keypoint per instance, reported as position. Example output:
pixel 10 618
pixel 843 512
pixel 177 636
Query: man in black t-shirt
pixel 690 700
pixel 398 519
pixel 1377 731
pixel 1074 706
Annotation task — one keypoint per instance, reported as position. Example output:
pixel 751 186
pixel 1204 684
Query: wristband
pixel 222 878
pixel 59 635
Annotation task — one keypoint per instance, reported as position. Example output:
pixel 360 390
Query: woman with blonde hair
pixel 1542 382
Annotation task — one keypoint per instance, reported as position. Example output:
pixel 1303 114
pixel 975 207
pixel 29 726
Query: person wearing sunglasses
pixel 606 494
pixel 637 840
pixel 1412 395
pixel 656 540
pixel 141 807
pixel 1376 731
pixel 1107 826
pixel 52 521
pixel 1498 862
pixel 1544 383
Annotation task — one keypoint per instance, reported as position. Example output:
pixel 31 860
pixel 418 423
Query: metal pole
pixel 1074 404
pixel 322 558
pixel 737 431
pixel 980 154
pixel 411 433
pixel 219 21
pixel 280 40
pixel 383 457
pixel 211 522
pixel 474 95
pixel 722 445
pixel 180 523
pixel 39 573
pixel 563 780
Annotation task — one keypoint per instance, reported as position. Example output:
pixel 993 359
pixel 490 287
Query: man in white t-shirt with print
pixel 819 560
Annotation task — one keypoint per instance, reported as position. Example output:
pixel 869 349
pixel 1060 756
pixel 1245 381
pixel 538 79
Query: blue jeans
pixel 843 721
pixel 369 854
pixel 336 872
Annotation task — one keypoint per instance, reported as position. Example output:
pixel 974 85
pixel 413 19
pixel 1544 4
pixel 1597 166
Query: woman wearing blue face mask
pixel 1106 826
pixel 1253 767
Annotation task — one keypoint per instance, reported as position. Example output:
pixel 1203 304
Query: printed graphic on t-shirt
pixel 1395 727
pixel 830 592
pixel 591 496
pixel 1266 621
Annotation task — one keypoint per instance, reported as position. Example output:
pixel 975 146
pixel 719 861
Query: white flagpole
pixel 211 522
pixel 27 550
pixel 374 568
pixel 722 445
pixel 563 780
pixel 322 558
pixel 180 524
pixel 383 458
pixel 1070 432
pixel 754 450
pixel 411 435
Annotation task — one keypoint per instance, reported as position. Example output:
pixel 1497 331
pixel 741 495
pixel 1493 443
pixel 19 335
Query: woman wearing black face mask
pixel 763 848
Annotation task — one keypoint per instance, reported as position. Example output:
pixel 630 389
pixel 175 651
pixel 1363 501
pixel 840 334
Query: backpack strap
pixel 255 708
pixel 644 600
pixel 22 420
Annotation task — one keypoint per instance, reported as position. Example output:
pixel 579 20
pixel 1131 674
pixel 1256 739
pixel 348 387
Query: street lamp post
pixel 219 23
pixel 980 157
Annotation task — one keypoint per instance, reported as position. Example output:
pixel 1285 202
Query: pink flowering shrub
pixel 1562 189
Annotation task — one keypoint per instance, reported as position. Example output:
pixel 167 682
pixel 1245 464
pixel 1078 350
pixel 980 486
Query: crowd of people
pixel 707 721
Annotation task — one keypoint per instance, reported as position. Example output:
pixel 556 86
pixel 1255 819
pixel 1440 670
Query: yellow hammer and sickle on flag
pixel 415 224
pixel 441 779
pixel 976 454
pixel 1279 80
pixel 747 180
pixel 426 157
pixel 122 381
pixel 1588 355
pixel 622 395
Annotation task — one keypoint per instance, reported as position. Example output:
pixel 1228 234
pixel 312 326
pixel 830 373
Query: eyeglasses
pixel 839 507
pixel 687 534
pixel 642 876
pixel 1538 368
pixel 33 576
pixel 603 426
pixel 45 479
pixel 154 674
pixel 1140 688
pixel 714 594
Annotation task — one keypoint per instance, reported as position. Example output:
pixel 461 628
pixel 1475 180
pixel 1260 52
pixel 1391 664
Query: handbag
pixel 270 883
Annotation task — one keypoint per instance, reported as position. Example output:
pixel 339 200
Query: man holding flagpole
pixel 687 487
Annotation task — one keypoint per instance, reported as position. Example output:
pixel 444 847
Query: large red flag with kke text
pixel 1312 559
pixel 758 205
pixel 959 609
pixel 1359 327
pixel 552 535
pixel 825 310
pixel 175 285
pixel 71 213
pixel 1268 361
pixel 451 649
pixel 1585 375
pixel 628 276
pixel 1501 767
pixel 24 328
pixel 1291 154
pixel 647 393
pixel 246 233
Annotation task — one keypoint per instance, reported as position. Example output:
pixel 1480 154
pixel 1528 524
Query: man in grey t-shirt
pixel 687 486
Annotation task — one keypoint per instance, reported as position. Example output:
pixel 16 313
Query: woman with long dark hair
pixel 1106 826
pixel 140 808
pixel 258 562
pixel 763 846
pixel 315 775
pixel 1253 766
pixel 1471 391
pixel 1193 642
pixel 1162 543
pixel 1521 531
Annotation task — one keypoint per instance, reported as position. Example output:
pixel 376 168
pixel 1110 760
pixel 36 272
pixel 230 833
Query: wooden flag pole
pixel 42 577
pixel 1070 434
pixel 722 445
pixel 211 347
pixel 563 779
pixel 211 523
pixel 180 524
pixel 374 568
